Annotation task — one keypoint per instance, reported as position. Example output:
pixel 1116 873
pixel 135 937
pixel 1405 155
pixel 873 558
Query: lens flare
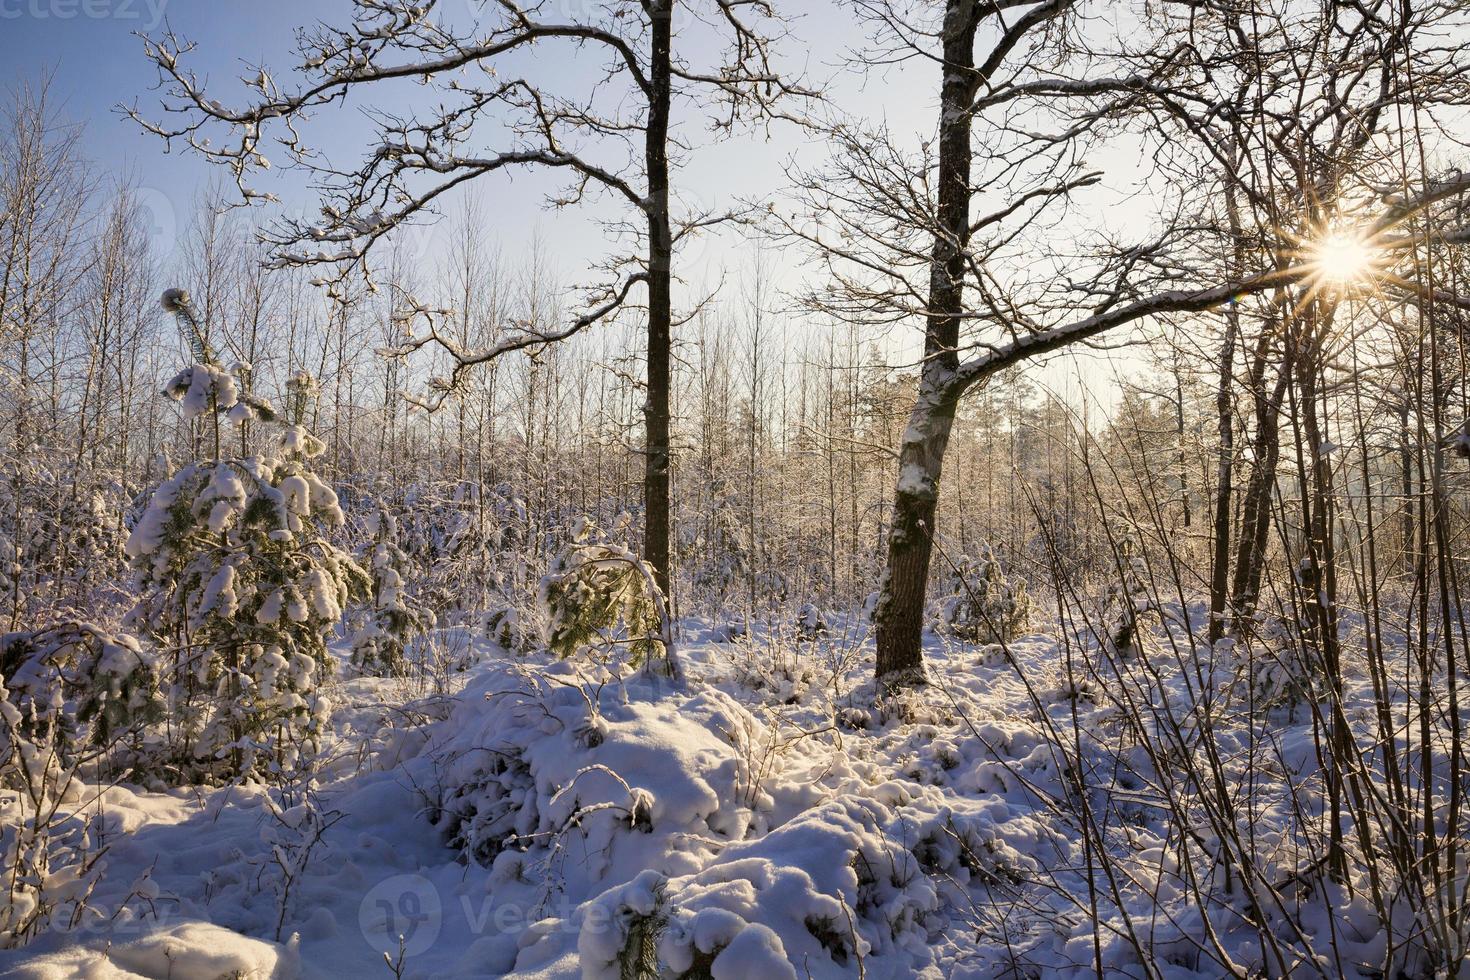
pixel 1342 257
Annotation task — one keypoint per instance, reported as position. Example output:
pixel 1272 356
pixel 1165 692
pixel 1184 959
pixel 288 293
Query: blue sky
pixel 96 62
pixel 89 49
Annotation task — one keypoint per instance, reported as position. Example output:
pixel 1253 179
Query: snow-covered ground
pixel 763 819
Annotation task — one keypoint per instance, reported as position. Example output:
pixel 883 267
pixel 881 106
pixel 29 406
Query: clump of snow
pixel 185 949
pixel 200 388
pixel 536 766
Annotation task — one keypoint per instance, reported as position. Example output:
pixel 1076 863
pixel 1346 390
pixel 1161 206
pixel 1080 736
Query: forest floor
pixel 763 818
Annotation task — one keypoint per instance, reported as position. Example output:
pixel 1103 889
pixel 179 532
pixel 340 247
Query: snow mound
pixel 644 827
pixel 185 949
pixel 559 786
pixel 858 880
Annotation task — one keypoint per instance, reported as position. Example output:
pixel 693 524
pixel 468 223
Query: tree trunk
pixel 660 259
pixel 1255 522
pixel 1406 477
pixel 1225 467
pixel 1225 476
pixel 1319 587
pixel 900 612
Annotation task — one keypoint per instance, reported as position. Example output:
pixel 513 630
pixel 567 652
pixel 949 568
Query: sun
pixel 1342 257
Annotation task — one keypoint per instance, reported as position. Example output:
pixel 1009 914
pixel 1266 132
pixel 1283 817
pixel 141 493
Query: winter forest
pixel 735 489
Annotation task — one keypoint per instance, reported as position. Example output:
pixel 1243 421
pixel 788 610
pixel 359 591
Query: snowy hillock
pixel 542 819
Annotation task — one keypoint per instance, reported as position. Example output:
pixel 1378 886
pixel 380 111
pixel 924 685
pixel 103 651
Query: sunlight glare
pixel 1343 257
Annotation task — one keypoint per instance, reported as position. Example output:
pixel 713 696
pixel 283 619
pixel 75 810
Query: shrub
pixel 379 645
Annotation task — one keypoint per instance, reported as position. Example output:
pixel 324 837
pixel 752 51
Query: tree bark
pixel 1255 525
pixel 1225 466
pixel 660 260
pixel 900 613
pixel 1224 488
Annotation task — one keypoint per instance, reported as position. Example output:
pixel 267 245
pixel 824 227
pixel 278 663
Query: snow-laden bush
pixel 380 643
pixel 810 624
pixel 61 538
pixel 466 545
pixel 1274 668
pixel 70 695
pixel 50 860
pixel 771 663
pixel 556 783
pixel 506 627
pixel 602 597
pixel 983 605
pixel 238 576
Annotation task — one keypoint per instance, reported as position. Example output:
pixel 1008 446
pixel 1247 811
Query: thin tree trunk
pixel 1224 479
pixel 660 258
pixel 1225 465
pixel 1250 557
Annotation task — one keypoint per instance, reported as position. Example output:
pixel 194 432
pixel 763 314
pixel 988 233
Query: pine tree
pixel 69 694
pixel 601 595
pixel 983 604
pixel 88 687
pixel 237 574
pixel 380 644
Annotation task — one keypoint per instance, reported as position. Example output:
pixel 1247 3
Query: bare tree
pixel 895 232
pixel 43 191
pixel 618 139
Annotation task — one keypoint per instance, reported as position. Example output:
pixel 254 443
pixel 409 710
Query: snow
pixel 147 535
pixel 187 949
pixel 546 812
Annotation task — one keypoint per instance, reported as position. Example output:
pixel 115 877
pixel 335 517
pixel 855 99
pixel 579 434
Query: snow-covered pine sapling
pixel 380 644
pixel 632 920
pixel 983 605
pixel 92 688
pixel 505 627
pixel 69 695
pixel 810 624
pixel 205 389
pixel 239 578
pixel 1127 601
pixel 601 596
pixel 1282 670
pixel 1284 665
